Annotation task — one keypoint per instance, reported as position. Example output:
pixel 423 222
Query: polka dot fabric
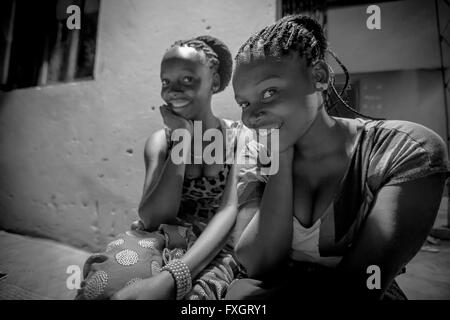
pixel 133 256
pixel 96 285
pixel 136 255
pixel 127 257
pixel 147 243
pixel 113 244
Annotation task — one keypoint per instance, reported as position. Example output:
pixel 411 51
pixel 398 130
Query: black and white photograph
pixel 249 152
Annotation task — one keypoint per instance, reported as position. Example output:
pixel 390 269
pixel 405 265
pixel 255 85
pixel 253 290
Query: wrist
pixel 169 279
pixel 181 277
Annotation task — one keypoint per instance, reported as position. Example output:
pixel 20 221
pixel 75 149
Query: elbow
pixel 258 263
pixel 248 260
pixel 146 218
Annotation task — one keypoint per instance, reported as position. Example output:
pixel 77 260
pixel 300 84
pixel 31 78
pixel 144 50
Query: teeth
pixel 179 103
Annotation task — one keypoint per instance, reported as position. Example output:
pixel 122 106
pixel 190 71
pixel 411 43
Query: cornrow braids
pixel 294 34
pixel 217 54
pixel 199 45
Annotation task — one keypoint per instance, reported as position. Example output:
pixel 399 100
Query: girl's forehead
pixel 260 69
pixel 184 53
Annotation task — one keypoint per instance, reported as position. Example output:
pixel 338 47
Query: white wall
pixel 64 167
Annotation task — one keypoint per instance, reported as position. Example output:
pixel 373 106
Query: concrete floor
pixel 428 273
pixel 37 268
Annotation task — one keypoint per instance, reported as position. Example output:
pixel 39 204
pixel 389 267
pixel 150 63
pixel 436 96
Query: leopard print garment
pixel 201 196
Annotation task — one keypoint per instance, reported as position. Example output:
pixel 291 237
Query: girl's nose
pixel 175 88
pixel 253 119
pixel 175 93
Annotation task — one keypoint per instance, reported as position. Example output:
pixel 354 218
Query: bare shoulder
pixel 156 144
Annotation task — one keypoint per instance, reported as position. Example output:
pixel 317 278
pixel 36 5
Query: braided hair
pixel 295 34
pixel 217 54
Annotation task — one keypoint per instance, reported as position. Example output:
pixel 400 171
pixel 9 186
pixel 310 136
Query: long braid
pixel 339 95
pixel 295 33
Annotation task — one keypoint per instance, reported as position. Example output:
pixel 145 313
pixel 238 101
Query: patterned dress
pixel 200 199
pixel 137 254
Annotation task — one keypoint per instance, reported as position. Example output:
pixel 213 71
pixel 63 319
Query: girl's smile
pixel 186 80
pixel 273 95
pixel 179 103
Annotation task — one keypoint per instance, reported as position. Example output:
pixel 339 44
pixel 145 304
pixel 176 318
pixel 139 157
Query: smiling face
pixel 187 81
pixel 276 93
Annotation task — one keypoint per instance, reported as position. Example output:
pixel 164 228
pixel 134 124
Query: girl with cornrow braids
pixel 189 204
pixel 353 199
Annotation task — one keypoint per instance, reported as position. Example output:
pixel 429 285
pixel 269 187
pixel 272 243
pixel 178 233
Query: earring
pixel 321 86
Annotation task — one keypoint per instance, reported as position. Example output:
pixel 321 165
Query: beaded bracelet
pixel 180 272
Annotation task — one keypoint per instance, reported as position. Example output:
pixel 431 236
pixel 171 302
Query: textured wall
pixel 398 65
pixel 408 38
pixel 71 164
pixel 413 95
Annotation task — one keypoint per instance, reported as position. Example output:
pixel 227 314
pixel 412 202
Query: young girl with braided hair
pixel 189 207
pixel 352 197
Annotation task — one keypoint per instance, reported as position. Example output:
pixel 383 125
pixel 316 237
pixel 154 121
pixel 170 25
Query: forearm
pixel 217 232
pixel 266 240
pixel 393 232
pixel 211 241
pixel 161 200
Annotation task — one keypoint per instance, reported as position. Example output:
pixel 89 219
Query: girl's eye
pixel 268 93
pixel 164 82
pixel 188 79
pixel 243 105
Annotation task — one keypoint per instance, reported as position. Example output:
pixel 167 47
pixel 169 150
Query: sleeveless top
pixel 201 196
pixel 386 152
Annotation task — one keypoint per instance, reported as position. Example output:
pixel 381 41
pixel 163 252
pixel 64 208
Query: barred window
pixel 37 48
pixel 313 8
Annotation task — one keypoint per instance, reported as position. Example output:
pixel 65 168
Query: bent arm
pixel 393 233
pixel 163 183
pixel 266 240
pixel 216 233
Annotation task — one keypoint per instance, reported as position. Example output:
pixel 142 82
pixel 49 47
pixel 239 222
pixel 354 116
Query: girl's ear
pixel 321 75
pixel 215 82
